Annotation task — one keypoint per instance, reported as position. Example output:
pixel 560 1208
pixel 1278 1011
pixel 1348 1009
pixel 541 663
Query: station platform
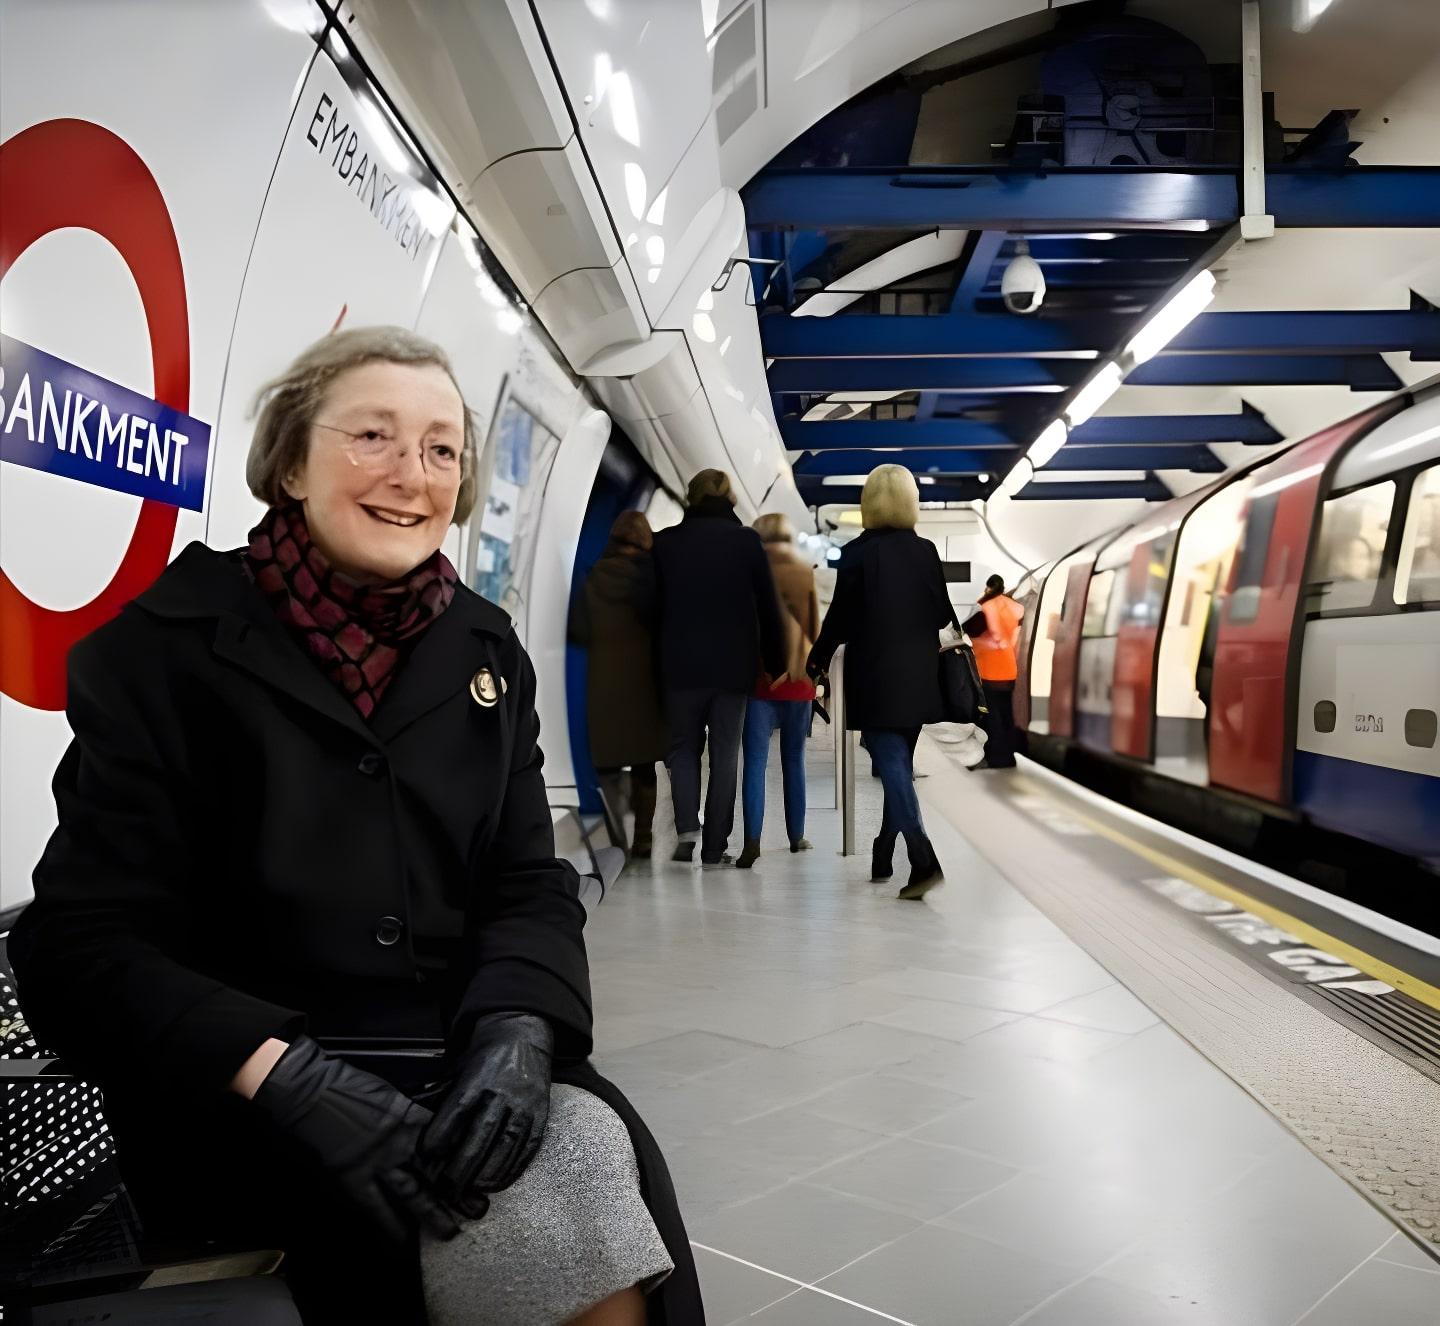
pixel 1057 1091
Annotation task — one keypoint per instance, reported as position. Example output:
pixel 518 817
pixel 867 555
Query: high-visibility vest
pixel 995 649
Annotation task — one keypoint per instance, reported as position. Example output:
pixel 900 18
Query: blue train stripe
pixel 1392 807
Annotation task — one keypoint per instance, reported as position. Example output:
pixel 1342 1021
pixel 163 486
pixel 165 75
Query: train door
pixel 1367 756
pixel 1257 646
pixel 1099 632
pixel 1143 585
pixel 1204 554
pixel 1027 595
pixel 1065 656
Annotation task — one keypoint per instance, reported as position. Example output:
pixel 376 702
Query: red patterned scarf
pixel 353 631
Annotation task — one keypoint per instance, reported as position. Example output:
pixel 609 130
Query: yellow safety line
pixel 1316 938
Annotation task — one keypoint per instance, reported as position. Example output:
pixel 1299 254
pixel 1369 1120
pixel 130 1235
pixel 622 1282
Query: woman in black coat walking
pixel 889 606
pixel 614 618
pixel 304 804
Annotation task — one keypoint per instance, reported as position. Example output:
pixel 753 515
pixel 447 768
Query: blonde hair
pixel 287 406
pixel 774 527
pixel 709 483
pixel 890 499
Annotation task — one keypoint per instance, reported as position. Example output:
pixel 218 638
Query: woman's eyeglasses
pixel 377 452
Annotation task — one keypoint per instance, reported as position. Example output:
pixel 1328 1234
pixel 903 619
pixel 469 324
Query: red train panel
pixel 1252 701
pixel 1064 668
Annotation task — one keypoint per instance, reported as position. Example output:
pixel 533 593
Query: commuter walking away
pixel 889 606
pixel 995 658
pixel 614 618
pixel 304 809
pixel 781 703
pixel 719 625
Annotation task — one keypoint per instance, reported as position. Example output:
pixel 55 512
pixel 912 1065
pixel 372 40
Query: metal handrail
pixel 844 755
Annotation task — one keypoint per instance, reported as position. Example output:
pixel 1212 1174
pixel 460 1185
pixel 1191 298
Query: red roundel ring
pixel 65 173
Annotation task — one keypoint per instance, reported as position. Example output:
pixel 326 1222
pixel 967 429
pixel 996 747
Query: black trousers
pixel 691 714
pixel 999 724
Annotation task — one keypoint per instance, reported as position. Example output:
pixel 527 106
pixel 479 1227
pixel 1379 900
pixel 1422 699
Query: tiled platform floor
pixel 946 1112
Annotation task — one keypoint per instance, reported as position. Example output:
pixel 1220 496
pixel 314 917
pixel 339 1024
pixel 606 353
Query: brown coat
pixel 795 588
pixel 614 617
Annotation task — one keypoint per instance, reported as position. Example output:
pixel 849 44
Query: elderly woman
pixel 784 701
pixel 304 806
pixel 889 605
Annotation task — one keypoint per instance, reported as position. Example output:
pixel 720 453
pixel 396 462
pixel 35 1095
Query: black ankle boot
pixel 749 855
pixel 925 872
pixel 882 853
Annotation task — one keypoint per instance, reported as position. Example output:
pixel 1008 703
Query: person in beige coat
pixel 783 701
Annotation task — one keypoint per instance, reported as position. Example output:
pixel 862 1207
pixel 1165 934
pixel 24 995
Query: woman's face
pixel 383 468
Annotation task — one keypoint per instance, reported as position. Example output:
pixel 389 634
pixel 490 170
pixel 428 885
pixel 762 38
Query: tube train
pixel 1273 638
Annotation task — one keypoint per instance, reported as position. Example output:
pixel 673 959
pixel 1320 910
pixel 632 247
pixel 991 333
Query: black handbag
pixel 962 696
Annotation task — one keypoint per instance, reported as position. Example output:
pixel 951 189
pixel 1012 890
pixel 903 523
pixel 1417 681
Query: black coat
pixel 719 616
pixel 240 854
pixel 889 605
pixel 614 618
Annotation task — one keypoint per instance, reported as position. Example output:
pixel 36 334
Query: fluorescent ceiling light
pixel 1021 474
pixel 1172 318
pixel 1052 438
pixel 1094 394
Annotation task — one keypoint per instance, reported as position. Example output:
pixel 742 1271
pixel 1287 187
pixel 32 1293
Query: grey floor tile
pixel 802 1231
pixel 1079 1225
pixel 773 1078
pixel 1265 1249
pixel 951 1022
pixel 1047 1040
pixel 811 1308
pixel 681 1053
pixel 733 1291
pixel 866 1046
pixel 914 1179
pixel 708 1178
pixel 1379 1292
pixel 884 1103
pixel 1403 1251
pixel 940 1276
pixel 1112 1008
pixel 1101 1303
pixel 794 1142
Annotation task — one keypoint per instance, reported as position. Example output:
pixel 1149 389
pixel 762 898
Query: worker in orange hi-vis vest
pixel 995 657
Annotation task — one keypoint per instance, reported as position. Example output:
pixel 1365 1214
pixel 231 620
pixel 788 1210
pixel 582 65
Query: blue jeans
pixel 892 752
pixel 761 719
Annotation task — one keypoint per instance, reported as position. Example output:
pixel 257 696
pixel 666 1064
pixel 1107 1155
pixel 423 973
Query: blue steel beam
pixel 977 271
pixel 1151 488
pixel 1354 196
pixel 965 198
pixel 1328 332
pixel 833 461
pixel 1197 459
pixel 1249 425
pixel 878 335
pixel 788 376
pixel 959 434
pixel 813 493
pixel 1358 372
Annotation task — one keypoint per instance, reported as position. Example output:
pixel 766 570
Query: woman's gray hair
pixel 287 406
pixel 774 527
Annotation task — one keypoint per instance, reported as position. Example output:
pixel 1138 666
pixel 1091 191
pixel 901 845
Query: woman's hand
pixel 360 1130
pixel 490 1124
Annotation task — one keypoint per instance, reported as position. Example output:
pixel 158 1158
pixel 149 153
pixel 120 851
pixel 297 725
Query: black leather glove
pixel 361 1130
pixel 491 1121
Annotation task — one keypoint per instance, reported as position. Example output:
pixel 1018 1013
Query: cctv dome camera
pixel 1023 284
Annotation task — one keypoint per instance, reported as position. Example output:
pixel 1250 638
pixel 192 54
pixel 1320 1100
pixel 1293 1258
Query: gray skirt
pixel 569 1233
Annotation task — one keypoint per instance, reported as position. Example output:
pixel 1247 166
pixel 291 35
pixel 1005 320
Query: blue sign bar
pixel 59 419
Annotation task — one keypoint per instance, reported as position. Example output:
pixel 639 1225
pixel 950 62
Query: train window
pixel 1417 577
pixel 1097 604
pixel 1351 550
pixel 1420 728
pixel 1244 601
